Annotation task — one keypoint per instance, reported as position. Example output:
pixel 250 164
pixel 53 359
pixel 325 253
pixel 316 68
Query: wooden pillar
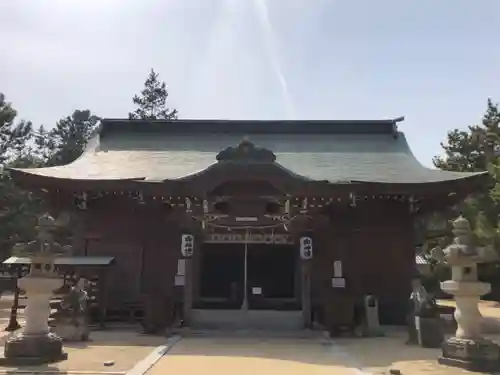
pixel 188 291
pixel 306 293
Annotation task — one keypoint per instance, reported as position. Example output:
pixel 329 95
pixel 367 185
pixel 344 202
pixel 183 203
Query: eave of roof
pixel 335 152
pixel 66 261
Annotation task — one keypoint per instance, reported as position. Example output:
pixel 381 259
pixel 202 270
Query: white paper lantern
pixel 306 248
pixel 187 245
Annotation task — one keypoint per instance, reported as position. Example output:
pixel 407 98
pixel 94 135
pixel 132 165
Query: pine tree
pixel 152 101
pixel 18 208
pixel 13 137
pixel 474 149
pixel 462 153
pixel 67 141
pixel 478 150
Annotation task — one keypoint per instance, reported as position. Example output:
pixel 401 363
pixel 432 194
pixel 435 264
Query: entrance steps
pixel 304 334
pixel 241 320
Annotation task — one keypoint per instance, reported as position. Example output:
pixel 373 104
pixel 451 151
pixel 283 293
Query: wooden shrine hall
pixel 299 218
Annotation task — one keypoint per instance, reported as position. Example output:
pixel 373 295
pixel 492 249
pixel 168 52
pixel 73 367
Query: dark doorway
pixel 221 276
pixel 272 277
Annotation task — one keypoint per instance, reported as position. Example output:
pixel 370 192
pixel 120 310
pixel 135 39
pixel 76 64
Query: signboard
pixel 246 218
pixel 187 245
pixel 306 248
pixel 277 239
pixel 338 282
pixel 256 290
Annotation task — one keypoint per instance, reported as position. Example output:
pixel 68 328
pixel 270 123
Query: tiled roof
pixel 369 153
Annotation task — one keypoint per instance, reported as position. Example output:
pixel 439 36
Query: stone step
pixel 267 320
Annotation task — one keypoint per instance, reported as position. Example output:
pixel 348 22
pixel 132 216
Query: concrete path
pixel 250 355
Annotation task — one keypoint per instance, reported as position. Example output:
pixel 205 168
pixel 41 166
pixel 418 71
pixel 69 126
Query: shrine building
pixel 300 218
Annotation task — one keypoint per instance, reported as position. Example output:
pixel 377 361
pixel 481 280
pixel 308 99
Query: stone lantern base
pixel 473 355
pixel 33 349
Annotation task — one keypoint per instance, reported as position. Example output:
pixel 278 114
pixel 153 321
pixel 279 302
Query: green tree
pixel 13 136
pixel 152 101
pixel 473 149
pixel 67 140
pixel 461 152
pixel 487 136
pixel 477 149
pixel 18 208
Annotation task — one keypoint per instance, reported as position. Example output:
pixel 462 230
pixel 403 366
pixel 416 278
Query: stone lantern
pixel 35 343
pixel 467 349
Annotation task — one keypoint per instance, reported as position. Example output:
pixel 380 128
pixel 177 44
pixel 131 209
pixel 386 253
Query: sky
pixel 434 62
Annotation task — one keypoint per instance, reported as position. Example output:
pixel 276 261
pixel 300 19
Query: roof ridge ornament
pixel 246 151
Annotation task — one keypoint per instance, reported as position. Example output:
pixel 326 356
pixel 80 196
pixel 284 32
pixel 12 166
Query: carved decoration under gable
pixel 246 151
pixel 246 217
pixel 246 237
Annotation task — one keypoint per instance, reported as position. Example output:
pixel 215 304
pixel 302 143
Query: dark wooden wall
pixel 374 242
pixel 162 249
pixel 117 234
pixel 375 245
pixel 145 241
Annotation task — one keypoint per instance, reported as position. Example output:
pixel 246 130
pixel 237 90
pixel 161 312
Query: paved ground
pixel 378 355
pixel 124 348
pixel 346 356
pixel 129 352
pixel 276 356
pixel 246 355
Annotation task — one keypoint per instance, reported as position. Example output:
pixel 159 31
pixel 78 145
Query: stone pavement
pixel 308 356
pixel 251 355
pixel 302 356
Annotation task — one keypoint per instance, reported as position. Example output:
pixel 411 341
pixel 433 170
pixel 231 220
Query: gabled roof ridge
pixel 216 126
pixel 222 120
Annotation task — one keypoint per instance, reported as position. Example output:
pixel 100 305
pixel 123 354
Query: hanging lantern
pixel 187 245
pixel 306 248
